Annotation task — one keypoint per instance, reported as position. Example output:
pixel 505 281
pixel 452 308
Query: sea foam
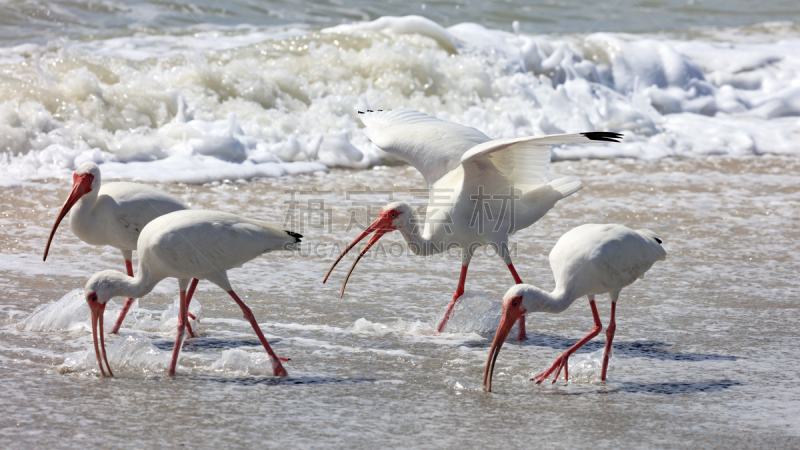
pixel 264 102
pixel 70 313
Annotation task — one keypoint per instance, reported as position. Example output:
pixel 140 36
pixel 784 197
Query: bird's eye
pixel 394 214
pixel 515 304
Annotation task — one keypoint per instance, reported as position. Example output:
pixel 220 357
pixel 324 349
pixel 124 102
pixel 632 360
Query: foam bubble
pixel 476 313
pixel 238 361
pixel 70 313
pixel 128 355
pixel 407 25
pixel 585 367
pixel 169 317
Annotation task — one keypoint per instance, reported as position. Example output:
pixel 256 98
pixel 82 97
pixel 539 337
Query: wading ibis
pixel 189 244
pixel 587 260
pixel 481 190
pixel 112 214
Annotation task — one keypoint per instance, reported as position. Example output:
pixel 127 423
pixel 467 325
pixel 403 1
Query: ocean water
pixel 162 101
pixel 247 107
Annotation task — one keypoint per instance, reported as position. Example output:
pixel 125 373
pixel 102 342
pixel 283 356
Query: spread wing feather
pixel 433 146
pixel 519 162
pixel 457 160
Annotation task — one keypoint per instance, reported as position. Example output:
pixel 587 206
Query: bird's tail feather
pixel 651 234
pixel 566 186
pixel 654 243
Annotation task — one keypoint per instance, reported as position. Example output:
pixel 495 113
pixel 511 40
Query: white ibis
pixel 112 214
pixel 481 190
pixel 588 260
pixel 184 245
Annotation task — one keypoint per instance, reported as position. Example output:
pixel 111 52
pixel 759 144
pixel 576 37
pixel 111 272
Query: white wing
pixel 493 168
pixel 519 162
pixel 442 198
pixel 196 243
pixel 457 160
pixel 434 147
pixel 600 258
pixel 132 206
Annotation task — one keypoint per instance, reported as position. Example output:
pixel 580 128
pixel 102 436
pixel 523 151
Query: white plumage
pixel 434 147
pixel 205 244
pixel 111 214
pixel 190 244
pixel 481 190
pixel 588 260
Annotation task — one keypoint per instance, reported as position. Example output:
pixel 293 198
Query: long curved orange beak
pixel 97 328
pixel 510 316
pixel 80 187
pixel 380 226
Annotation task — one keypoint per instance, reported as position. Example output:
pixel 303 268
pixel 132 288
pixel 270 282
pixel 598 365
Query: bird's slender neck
pixel 83 210
pixel 133 287
pixel 550 302
pixel 420 245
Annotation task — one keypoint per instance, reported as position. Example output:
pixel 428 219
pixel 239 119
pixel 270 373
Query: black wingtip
pixel 658 240
pixel 606 136
pixel 361 112
pixel 297 236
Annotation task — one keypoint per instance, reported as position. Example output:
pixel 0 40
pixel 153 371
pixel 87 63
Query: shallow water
pixel 705 352
pixel 705 92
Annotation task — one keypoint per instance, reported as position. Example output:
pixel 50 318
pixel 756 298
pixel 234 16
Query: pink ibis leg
pixel 189 295
pixel 562 361
pixel 277 367
pixel 459 292
pixel 128 301
pixel 612 326
pixel 182 320
pixel 521 335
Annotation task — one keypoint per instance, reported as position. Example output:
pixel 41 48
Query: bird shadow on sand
pixel 207 343
pixel 678 388
pixel 637 349
pixel 656 388
pixel 282 381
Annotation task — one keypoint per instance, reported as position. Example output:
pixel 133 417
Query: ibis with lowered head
pixel 588 260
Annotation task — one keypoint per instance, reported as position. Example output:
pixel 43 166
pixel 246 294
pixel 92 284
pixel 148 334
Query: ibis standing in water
pixel 112 214
pixel 588 260
pixel 188 245
pixel 481 190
